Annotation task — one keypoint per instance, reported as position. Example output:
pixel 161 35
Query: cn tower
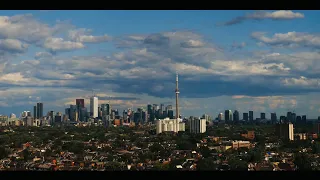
pixel 177 97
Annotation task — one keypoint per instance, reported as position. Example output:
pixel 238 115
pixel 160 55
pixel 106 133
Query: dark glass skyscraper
pixel 73 113
pixel 245 116
pixel 39 110
pixel 304 119
pixel 105 108
pixel 228 116
pixel 250 116
pixel 35 111
pixel 236 116
pixel 273 118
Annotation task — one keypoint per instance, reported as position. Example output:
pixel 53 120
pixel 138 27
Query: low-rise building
pixel 301 136
pixel 241 144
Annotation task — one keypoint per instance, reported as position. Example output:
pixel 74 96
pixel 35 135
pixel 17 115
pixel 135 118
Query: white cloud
pixel 83 36
pixel 260 15
pixel 290 39
pixel 14 78
pixel 281 14
pixel 58 44
pixel 42 55
pixel 25 28
pixel 303 82
pixel 13 45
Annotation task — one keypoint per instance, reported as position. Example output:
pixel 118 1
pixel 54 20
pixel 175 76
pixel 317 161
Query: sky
pixel 265 61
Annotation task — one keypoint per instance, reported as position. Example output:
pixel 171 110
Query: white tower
pixel 94 106
pixel 177 97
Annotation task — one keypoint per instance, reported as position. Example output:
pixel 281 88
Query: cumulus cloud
pixel 59 44
pixel 13 45
pixel 148 67
pixel 83 36
pixel 40 55
pixel 260 15
pixel 26 28
pixel 290 39
pixel 303 82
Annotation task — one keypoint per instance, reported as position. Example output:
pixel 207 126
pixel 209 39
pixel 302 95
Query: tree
pixel 75 147
pixel 161 167
pixel 316 148
pixel 3 153
pixel 26 154
pixel 207 164
pixel 174 163
pixel 302 161
pixel 185 145
pixel 205 151
pixel 156 147
pixel 255 155
pixel 237 164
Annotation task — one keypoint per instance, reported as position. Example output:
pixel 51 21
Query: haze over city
pixel 264 61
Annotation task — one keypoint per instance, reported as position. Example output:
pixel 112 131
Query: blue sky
pixel 265 61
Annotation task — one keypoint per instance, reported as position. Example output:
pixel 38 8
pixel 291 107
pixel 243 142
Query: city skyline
pixel 238 60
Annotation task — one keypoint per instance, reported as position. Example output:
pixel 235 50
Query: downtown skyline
pixel 238 60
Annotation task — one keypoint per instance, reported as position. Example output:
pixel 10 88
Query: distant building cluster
pixel 161 115
pixel 247 117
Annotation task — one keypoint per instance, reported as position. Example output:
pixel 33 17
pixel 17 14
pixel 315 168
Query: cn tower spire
pixel 177 96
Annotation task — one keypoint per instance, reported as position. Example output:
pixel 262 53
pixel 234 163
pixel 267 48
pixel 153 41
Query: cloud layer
pixel 141 68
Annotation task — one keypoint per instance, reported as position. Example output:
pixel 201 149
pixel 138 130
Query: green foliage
pixel 3 152
pixel 302 161
pixel 206 164
pixel 74 146
pixel 316 148
pixel 156 147
pixel 26 155
pixel 173 164
pixel 237 164
pixel 185 145
pixel 205 151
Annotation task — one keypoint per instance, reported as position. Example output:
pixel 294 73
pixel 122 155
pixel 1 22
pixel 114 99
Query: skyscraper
pixel 94 106
pixel 39 110
pixel 73 113
pixel 198 126
pixel 289 117
pixel 250 116
pixel 220 116
pixel 263 115
pixel 304 119
pixel 228 116
pixel 80 103
pixel 83 114
pixel 35 112
pixel 285 131
pixel 106 110
pixel 67 112
pixel 273 118
pixel 245 117
pixel 236 116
